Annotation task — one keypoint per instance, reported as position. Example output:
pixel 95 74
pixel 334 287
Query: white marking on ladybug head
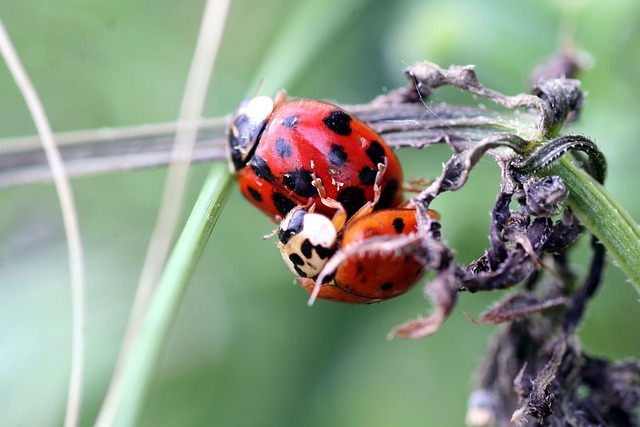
pixel 247 124
pixel 306 241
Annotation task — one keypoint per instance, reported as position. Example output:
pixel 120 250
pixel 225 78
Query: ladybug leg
pixel 280 97
pixel 416 185
pixel 270 235
pixel 340 217
pixel 377 191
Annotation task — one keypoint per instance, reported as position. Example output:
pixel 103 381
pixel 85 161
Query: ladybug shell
pixel 304 137
pixel 334 293
pixel 366 278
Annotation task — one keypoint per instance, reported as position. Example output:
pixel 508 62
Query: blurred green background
pixel 246 350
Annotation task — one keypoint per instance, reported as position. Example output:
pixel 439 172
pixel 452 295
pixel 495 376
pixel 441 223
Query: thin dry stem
pixel 70 220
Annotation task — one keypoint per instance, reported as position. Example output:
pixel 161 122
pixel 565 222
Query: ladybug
pixel 278 148
pixel 363 275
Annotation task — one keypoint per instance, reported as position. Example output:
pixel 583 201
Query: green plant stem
pixel 603 217
pixel 160 316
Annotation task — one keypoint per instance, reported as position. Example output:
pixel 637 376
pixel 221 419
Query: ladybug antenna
pixel 270 235
pixel 259 86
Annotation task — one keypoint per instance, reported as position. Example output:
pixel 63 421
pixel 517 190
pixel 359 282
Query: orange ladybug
pixel 362 275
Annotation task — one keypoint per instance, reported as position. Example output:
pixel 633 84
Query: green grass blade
pixel 165 301
pixel 603 217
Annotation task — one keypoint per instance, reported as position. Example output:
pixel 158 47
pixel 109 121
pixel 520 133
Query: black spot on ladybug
pixel 329 277
pixel 255 195
pixel 352 199
pixel 323 252
pixel 282 203
pixel 299 181
pixel 367 176
pixel 261 168
pixel 307 248
pixel 283 149
pixel 299 271
pixel 386 286
pixel 388 194
pixel 290 122
pixel 375 152
pixel 296 259
pixel 398 225
pixel 337 155
pixel 338 122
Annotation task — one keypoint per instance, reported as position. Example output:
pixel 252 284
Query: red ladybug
pixel 363 275
pixel 277 149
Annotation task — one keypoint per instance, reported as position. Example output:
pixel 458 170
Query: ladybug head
pixel 245 129
pixel 306 241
